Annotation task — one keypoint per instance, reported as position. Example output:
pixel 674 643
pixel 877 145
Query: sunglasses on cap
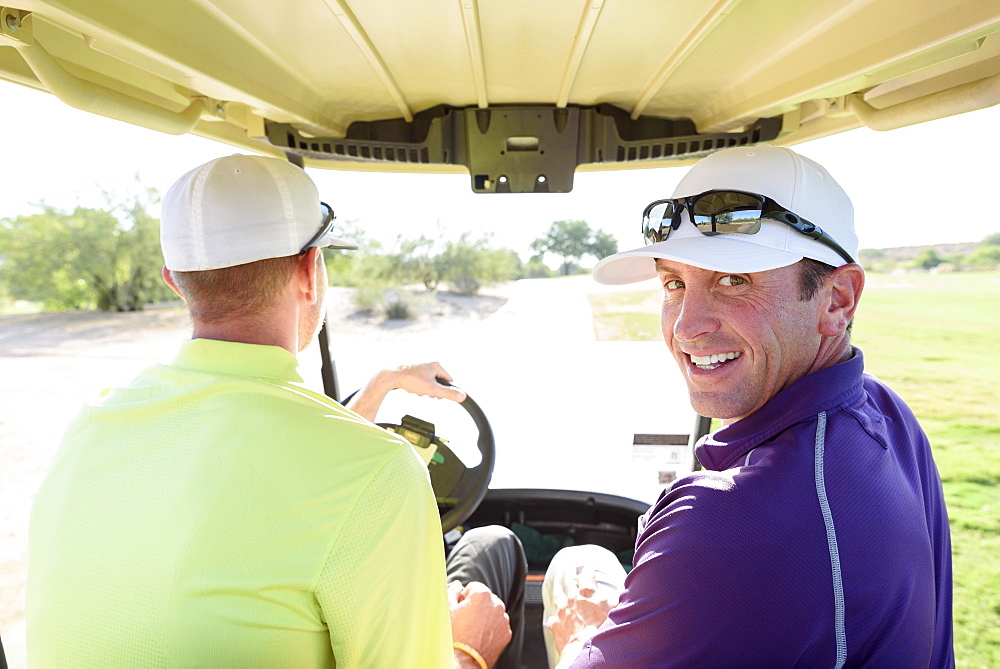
pixel 721 212
pixel 324 228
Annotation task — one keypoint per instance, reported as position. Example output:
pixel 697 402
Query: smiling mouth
pixel 713 361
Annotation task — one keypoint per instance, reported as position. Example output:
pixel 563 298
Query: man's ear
pixel 169 278
pixel 308 275
pixel 841 291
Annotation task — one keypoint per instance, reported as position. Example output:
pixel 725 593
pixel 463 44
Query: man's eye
pixel 732 280
pixel 673 284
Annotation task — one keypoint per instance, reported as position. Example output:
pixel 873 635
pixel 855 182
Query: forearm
pixel 424 379
pixel 366 402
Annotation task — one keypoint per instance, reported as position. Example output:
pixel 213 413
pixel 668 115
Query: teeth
pixel 714 359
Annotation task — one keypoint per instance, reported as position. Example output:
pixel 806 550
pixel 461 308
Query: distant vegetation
pixel 109 259
pixel 571 241
pixel 85 259
pixel 984 255
pixel 463 266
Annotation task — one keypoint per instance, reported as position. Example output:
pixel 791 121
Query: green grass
pixel 935 339
pixel 626 315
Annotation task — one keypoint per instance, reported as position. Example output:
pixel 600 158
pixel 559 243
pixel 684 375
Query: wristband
pixel 473 653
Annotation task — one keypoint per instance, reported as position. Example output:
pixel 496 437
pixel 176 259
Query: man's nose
pixel 695 317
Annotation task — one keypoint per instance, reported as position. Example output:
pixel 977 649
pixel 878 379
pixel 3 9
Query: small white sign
pixel 667 461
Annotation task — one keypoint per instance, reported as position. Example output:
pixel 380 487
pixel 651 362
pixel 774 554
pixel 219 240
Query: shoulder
pixel 300 442
pixel 695 507
pixel 712 517
pixel 330 444
pixel 883 399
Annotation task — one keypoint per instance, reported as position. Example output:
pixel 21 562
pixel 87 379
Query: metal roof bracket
pixel 527 149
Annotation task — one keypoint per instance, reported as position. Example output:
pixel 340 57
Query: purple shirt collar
pixel 813 393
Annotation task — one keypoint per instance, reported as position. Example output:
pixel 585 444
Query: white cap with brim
pixel 240 209
pixel 795 182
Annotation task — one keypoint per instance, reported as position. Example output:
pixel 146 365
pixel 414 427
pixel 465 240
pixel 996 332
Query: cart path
pixel 564 407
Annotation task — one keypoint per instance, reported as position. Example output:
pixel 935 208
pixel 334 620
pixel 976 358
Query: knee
pixel 573 560
pixel 495 537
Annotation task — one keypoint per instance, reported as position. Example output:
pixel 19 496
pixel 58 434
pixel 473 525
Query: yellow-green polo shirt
pixel 215 512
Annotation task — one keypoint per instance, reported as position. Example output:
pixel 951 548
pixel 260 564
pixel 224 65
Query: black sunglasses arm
pixel 810 230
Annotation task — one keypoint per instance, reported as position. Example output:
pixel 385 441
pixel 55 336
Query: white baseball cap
pixel 240 209
pixel 795 182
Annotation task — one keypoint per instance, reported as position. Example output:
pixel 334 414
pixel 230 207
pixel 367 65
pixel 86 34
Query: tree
pixel 571 240
pixel 604 245
pixel 108 259
pixel 467 264
pixel 927 259
pixel 568 239
pixel 420 261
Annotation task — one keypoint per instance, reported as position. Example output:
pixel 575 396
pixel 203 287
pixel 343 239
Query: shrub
pixel 927 259
pixel 984 256
pixel 463 284
pixel 536 269
pixel 468 264
pixel 397 308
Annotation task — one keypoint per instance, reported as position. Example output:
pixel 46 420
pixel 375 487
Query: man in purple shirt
pixel 817 534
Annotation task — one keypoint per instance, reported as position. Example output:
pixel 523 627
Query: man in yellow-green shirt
pixel 216 512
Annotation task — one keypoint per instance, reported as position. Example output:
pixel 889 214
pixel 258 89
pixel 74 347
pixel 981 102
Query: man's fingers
pixel 475 588
pixel 446 393
pixel 440 372
pixel 454 590
pixel 425 379
pixel 587 582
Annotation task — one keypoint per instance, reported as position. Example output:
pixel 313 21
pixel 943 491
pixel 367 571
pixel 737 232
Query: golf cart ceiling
pixel 520 93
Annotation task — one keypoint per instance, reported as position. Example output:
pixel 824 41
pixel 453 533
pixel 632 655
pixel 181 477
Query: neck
pixel 261 330
pixel 832 351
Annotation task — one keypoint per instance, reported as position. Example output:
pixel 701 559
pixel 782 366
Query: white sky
pixel 908 185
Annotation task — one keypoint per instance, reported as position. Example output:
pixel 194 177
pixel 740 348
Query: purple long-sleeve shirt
pixel 817 537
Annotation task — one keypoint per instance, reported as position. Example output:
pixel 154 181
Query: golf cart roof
pixel 518 93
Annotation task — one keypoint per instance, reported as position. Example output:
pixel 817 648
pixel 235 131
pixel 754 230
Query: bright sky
pixel 908 185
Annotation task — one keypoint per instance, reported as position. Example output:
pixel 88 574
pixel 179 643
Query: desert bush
pixel 464 284
pixel 468 264
pixel 397 308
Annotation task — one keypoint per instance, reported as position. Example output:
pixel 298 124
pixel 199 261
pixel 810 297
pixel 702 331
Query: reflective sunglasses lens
pixel 653 228
pixel 728 211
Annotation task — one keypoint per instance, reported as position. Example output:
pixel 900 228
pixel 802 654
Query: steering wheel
pixel 457 488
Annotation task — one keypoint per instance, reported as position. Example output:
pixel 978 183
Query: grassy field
pixel 935 339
